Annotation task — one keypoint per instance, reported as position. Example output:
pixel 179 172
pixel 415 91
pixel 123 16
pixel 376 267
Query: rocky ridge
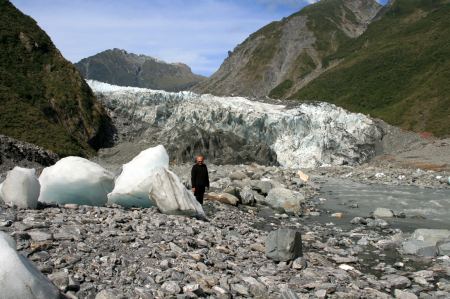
pixel 286 55
pixel 45 101
pixel 119 67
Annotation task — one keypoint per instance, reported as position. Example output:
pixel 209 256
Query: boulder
pixel 284 245
pixel 19 278
pixel 238 176
pixel 419 247
pixel 262 187
pixel 132 186
pixel 171 196
pixel 285 199
pixel 426 242
pixel 75 180
pixel 248 196
pixel 430 236
pixel 383 213
pixel 21 188
pixel 399 294
pixel 225 198
pixel 443 247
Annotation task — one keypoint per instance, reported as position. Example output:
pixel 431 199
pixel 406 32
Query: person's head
pixel 199 159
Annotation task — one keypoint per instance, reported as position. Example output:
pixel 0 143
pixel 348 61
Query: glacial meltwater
pixel 421 207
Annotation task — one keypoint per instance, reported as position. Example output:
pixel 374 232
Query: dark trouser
pixel 199 192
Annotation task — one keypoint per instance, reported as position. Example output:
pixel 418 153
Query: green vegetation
pixel 323 18
pixel 280 90
pixel 398 70
pixel 43 98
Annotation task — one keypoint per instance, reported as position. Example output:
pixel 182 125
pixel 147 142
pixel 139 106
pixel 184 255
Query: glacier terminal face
pixel 307 135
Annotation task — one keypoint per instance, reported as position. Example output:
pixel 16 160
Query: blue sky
pixel 196 32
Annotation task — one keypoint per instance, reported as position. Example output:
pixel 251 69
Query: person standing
pixel 199 178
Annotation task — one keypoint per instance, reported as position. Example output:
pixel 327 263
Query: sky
pixel 196 32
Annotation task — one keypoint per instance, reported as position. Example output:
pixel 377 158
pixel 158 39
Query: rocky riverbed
pixel 112 252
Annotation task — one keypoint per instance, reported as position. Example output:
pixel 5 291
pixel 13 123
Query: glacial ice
pixel 132 186
pixel 307 135
pixel 171 196
pixel 19 278
pixel 75 180
pixel 21 188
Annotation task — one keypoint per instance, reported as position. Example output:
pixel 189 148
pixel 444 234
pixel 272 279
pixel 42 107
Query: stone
pixel 404 295
pixel 262 187
pixel 288 294
pixel 419 247
pixel 108 294
pixel 299 263
pixel 238 176
pixel 240 289
pixel 19 278
pixel 396 281
pixel 60 279
pixel 337 215
pixel 443 247
pixel 285 199
pixel 431 236
pixel 21 188
pixel 304 177
pixel 284 245
pixel 383 213
pixel 171 287
pixel 424 242
pixel 40 236
pixel 193 288
pixel 225 198
pixel 247 196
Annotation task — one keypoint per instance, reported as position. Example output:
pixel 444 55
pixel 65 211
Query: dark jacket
pixel 199 176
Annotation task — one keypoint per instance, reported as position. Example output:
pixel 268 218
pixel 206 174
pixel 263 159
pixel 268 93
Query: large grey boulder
pixel 426 242
pixel 21 188
pixel 19 278
pixel 419 247
pixel 284 245
pixel 285 199
pixel 443 247
pixel 248 196
pixel 262 187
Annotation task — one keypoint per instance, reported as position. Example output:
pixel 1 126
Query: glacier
pixel 301 136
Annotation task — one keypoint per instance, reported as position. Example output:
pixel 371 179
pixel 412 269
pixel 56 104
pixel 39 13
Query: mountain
pixel 127 69
pixel 43 98
pixel 398 70
pixel 285 55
